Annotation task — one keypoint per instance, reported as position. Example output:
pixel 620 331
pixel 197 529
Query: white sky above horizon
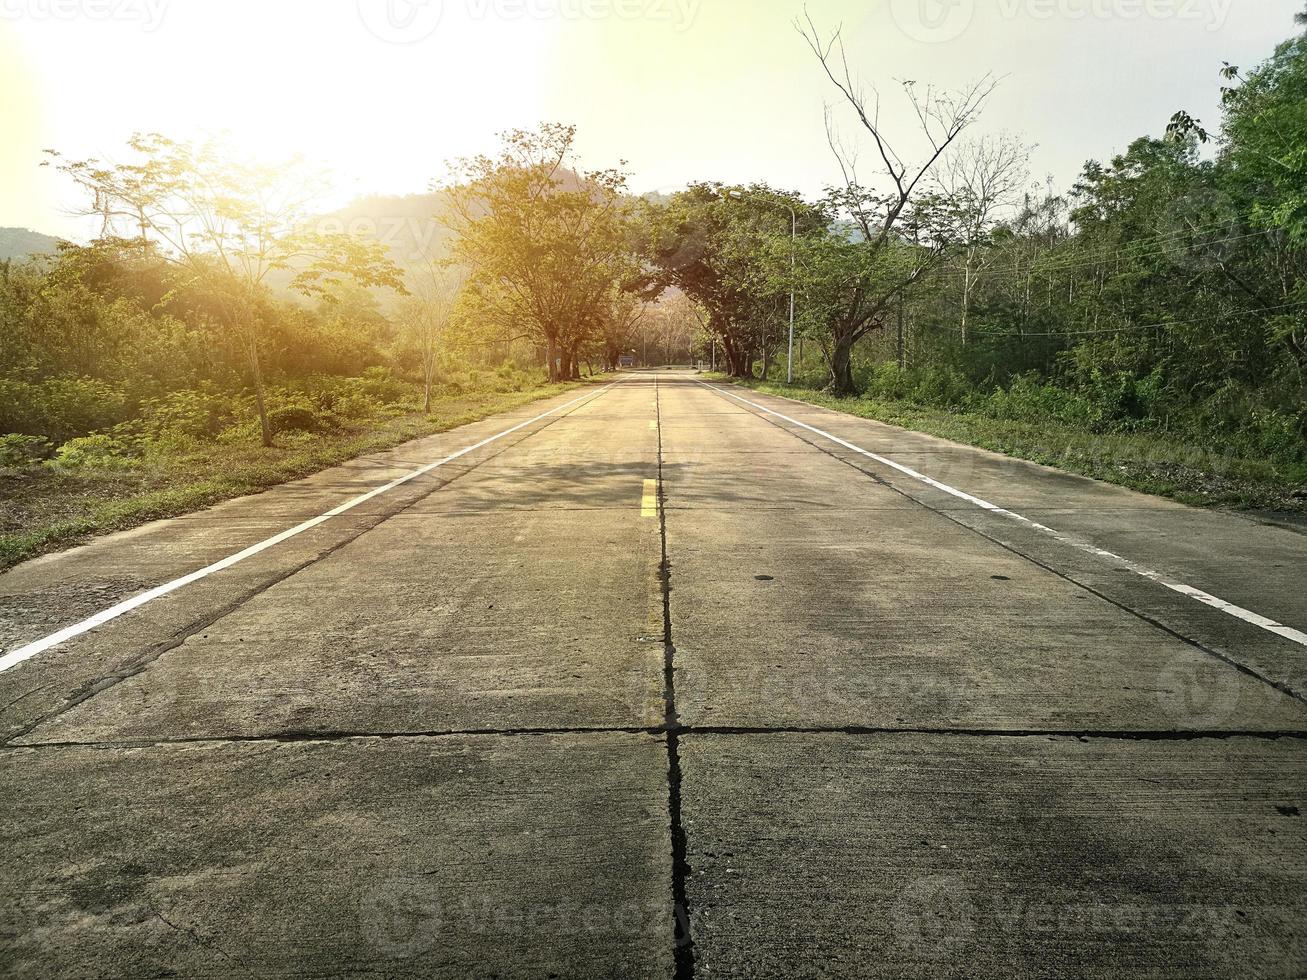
pixel 681 89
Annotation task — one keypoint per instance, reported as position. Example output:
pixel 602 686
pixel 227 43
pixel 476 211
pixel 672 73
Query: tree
pixel 903 229
pixel 625 315
pixel 724 253
pixel 226 225
pixel 434 287
pixel 544 242
pixel 980 180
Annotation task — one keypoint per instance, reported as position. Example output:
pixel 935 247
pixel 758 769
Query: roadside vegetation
pixel 221 334
pixel 1148 327
pixel 111 482
pixel 1168 465
pixel 215 340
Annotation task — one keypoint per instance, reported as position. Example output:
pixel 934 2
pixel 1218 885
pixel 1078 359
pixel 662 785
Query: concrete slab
pixel 448 618
pixel 44 595
pixel 925 856
pixel 524 620
pixel 1239 558
pixel 509 857
pixel 857 614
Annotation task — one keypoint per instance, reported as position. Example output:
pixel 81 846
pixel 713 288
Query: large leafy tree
pixel 728 250
pixel 543 241
pixel 225 226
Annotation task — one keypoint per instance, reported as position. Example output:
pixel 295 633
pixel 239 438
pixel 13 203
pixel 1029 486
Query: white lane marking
pixel 1247 615
pixel 27 652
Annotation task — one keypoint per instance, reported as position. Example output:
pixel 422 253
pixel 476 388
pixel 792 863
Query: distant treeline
pixel 1166 291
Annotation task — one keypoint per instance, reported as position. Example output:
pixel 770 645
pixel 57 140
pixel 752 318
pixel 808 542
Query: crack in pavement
pixel 193 934
pixel 681 731
pixel 683 935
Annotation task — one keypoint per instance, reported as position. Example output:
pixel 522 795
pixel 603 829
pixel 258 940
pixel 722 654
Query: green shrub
pixel 61 408
pixel 295 420
pixel 199 413
pixel 100 452
pixel 355 405
pixel 381 386
pixel 20 451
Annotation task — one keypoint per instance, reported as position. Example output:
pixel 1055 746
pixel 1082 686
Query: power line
pixel 1138 328
pixel 1044 270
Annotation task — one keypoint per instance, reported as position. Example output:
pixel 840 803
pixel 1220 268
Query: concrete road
pixel 661 679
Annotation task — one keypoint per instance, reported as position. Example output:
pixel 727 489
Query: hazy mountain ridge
pixel 19 243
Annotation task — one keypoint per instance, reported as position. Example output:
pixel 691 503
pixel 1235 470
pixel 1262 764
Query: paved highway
pixel 661 678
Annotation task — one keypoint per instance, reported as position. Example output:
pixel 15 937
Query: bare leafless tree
pixel 904 222
pixel 434 286
pixel 981 179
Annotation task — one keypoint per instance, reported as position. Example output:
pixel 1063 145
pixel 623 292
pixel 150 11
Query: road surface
pixel 661 678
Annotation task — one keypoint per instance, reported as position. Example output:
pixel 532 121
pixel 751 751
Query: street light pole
pixel 794 245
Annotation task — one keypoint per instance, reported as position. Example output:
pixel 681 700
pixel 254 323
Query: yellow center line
pixel 649 502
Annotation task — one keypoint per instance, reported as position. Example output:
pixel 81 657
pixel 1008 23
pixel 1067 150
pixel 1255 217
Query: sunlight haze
pixel 681 89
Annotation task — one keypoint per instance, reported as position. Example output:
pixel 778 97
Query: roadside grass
pixel 44 508
pixel 1194 474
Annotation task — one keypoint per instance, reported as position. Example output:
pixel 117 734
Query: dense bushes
pixel 61 408
pixel 1105 403
pixel 1166 292
pixel 108 364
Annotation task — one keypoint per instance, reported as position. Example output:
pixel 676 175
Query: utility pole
pixel 794 242
pixel 902 354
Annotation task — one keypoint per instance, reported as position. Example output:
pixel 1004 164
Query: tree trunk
pixel 265 427
pixel 841 369
pixel 551 356
pixel 428 379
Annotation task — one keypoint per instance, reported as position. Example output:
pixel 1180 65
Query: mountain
pixel 409 225
pixel 19 243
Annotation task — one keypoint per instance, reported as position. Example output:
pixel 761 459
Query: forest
pixel 222 332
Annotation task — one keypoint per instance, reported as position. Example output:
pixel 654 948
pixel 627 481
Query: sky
pixel 381 93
